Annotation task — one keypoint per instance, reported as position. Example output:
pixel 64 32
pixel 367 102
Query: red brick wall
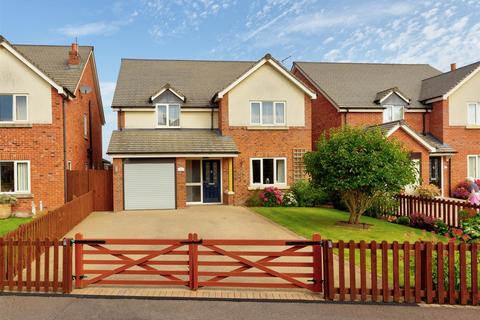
pixel 181 180
pixel 362 119
pixel 413 146
pixel 42 144
pixel 77 144
pixel 438 119
pixel 118 185
pixel 324 114
pixel 261 144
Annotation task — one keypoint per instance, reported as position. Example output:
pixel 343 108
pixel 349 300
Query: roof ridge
pixel 187 60
pixel 49 45
pixel 447 72
pixel 371 63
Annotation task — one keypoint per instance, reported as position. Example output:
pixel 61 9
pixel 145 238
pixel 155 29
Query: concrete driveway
pixel 208 221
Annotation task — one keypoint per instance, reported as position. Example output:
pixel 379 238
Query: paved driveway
pixel 213 222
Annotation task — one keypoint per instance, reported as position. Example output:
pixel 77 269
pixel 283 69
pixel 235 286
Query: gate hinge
pixel 312 280
pixel 81 277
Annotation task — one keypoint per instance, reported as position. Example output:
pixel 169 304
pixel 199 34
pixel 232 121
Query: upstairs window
pixel 267 113
pixel 13 108
pixel 168 115
pixel 393 113
pixel 474 113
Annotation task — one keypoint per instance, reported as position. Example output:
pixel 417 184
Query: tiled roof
pixel 170 141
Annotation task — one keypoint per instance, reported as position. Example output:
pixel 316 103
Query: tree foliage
pixel 359 165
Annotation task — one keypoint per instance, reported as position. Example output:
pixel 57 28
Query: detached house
pixel 436 115
pixel 51 119
pixel 199 132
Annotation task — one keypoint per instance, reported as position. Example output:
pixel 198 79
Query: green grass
pixel 10 224
pixel 307 221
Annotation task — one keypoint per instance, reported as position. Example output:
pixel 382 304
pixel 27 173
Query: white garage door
pixel 149 184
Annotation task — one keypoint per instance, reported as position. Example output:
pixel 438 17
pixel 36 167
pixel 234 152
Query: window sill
pixel 18 195
pixel 267 128
pixel 473 126
pixel 15 125
pixel 263 186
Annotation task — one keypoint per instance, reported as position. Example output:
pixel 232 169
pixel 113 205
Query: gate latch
pixel 87 241
pixel 81 277
pixel 199 241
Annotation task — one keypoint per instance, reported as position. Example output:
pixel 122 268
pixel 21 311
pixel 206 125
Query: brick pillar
pixel 180 183
pixel 227 181
pixel 118 185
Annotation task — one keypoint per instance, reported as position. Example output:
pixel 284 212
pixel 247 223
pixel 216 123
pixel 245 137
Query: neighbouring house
pixel 436 115
pixel 199 132
pixel 51 118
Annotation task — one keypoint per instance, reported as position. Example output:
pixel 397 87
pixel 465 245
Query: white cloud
pixel 93 28
pixel 328 40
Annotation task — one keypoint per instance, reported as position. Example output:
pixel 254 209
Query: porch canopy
pixel 171 143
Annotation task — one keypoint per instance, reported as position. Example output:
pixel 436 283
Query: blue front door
pixel 211 181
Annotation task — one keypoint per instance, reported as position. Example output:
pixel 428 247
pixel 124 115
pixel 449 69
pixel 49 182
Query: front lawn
pixel 10 224
pixel 307 221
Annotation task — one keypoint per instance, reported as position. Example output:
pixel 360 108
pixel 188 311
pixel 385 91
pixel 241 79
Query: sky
pixel 434 32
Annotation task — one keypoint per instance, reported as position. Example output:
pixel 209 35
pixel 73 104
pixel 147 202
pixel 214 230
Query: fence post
pixel 67 266
pixel 193 261
pixel 317 264
pixel 78 262
pixel 328 293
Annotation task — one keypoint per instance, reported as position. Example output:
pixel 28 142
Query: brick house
pixel 436 115
pixel 199 132
pixel 51 118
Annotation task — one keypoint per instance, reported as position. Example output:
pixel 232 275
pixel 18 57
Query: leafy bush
pixel 308 195
pixel 289 199
pixel 385 204
pixel 7 199
pixel 403 220
pixel 442 228
pixel 428 191
pixel 271 197
pixel 471 228
pixel 421 221
pixel 254 200
pixel 461 191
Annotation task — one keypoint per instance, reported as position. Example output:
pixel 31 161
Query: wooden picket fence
pixel 80 182
pixel 36 265
pixel 438 208
pixel 402 272
pixel 20 246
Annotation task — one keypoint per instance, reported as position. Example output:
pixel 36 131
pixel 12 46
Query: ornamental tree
pixel 359 165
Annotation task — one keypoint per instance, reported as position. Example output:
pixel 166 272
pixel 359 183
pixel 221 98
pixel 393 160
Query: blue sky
pixel 434 32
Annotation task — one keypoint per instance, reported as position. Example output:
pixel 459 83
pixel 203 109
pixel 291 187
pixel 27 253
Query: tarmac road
pixel 39 308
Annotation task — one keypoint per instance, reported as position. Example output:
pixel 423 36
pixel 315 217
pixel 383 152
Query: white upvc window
pixel 194 181
pixel 474 113
pixel 14 176
pixel 85 126
pixel 168 115
pixel 13 108
pixel 473 166
pixel 267 113
pixel 393 113
pixel 268 171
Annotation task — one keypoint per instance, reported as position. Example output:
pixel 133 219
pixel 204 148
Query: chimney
pixel 453 66
pixel 73 56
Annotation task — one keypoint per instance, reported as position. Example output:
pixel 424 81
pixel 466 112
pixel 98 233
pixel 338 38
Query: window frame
pixel 390 107
pixel 476 120
pixel 167 123
pixel 275 176
pixel 194 184
pixel 477 163
pixel 14 107
pixel 15 183
pixel 85 126
pixel 274 104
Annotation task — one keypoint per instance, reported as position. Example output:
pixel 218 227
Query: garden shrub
pixel 461 191
pixel 441 228
pixel 421 221
pixel 289 199
pixel 403 220
pixel 383 205
pixel 308 195
pixel 271 197
pixel 427 191
pixel 471 229
pixel 254 200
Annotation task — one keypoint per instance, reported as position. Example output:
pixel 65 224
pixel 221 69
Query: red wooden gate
pixel 197 263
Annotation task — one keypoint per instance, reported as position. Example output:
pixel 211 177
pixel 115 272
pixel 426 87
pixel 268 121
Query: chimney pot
pixel 453 66
pixel 73 56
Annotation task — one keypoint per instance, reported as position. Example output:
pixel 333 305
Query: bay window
pixel 13 108
pixel 14 176
pixel 393 113
pixel 268 171
pixel 168 115
pixel 267 113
